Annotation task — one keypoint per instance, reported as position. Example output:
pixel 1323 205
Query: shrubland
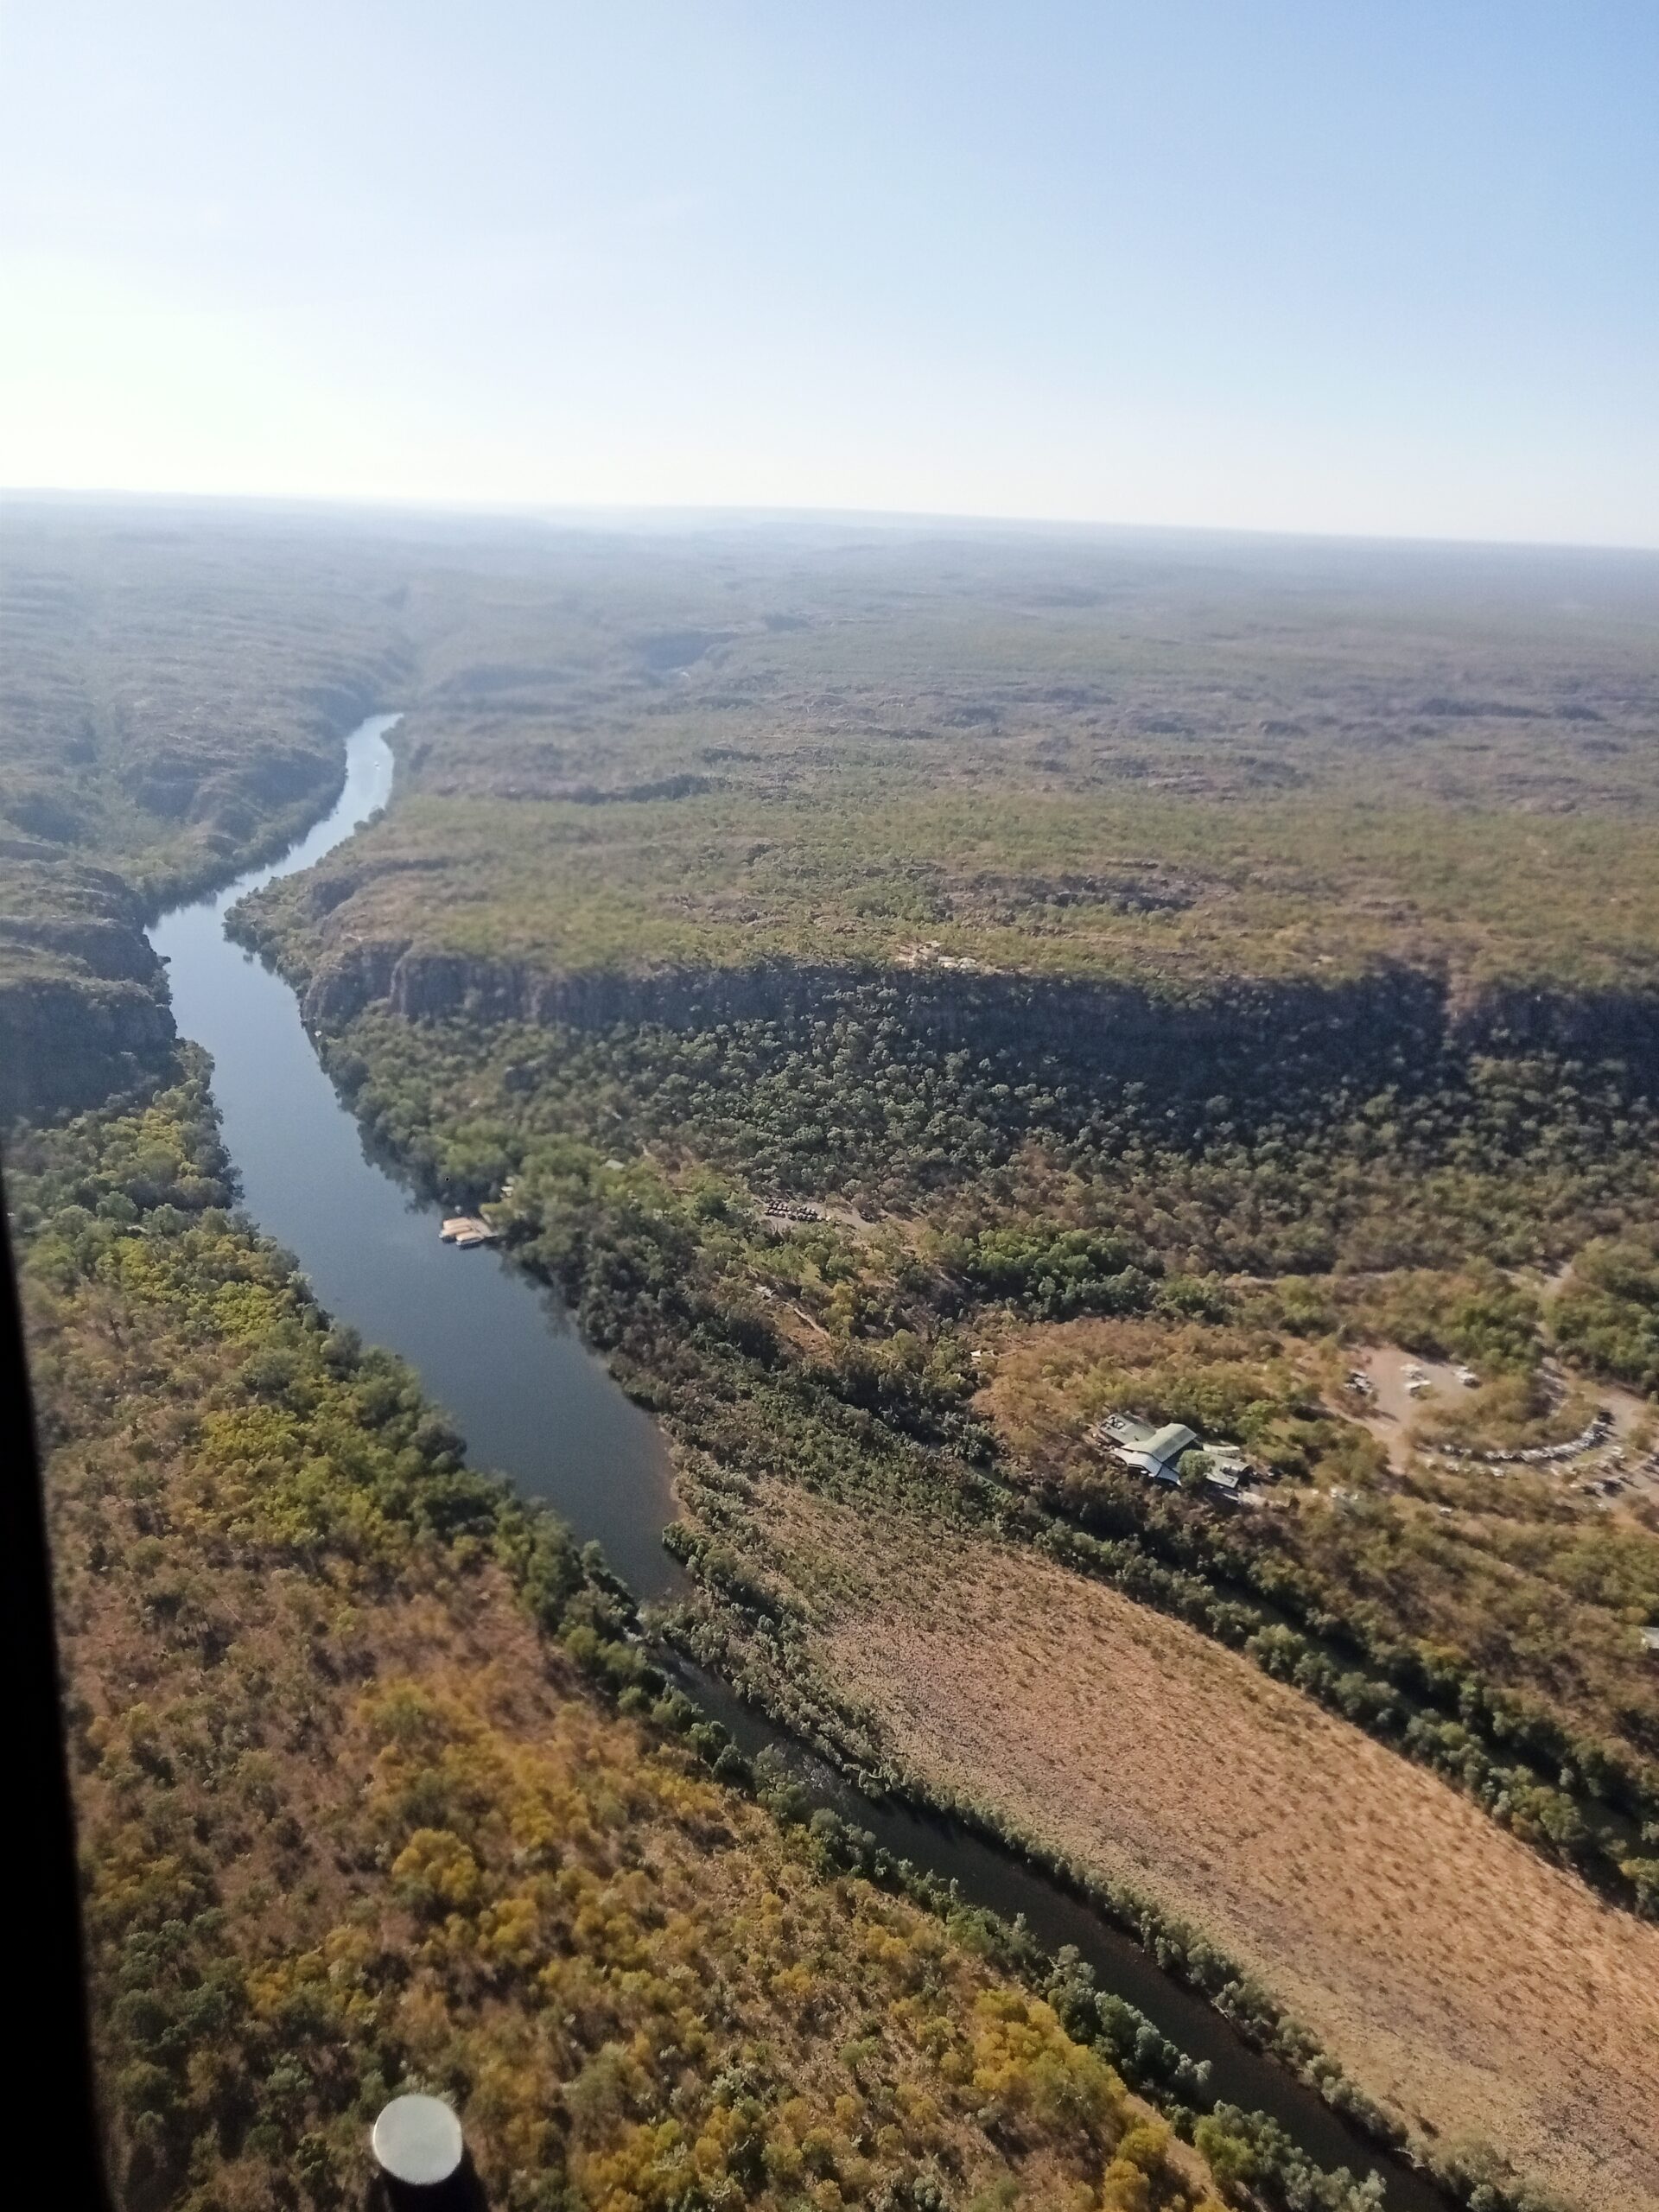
pixel 178 683
pixel 1608 1314
pixel 1165 969
pixel 175 694
pixel 850 1355
pixel 376 1790
pixel 1177 765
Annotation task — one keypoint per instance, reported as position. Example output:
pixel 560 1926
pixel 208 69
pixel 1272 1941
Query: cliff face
pixel 1512 1018
pixel 83 998
pixel 64 1046
pixel 1255 1033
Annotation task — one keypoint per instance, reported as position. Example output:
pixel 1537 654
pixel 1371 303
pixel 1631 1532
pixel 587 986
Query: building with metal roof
pixel 1158 1456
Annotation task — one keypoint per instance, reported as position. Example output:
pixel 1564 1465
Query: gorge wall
pixel 1250 1034
pixel 83 998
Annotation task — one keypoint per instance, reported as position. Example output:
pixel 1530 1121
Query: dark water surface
pixel 501 1357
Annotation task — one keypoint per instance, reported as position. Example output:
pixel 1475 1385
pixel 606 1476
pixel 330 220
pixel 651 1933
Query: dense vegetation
pixel 176 685
pixel 176 690
pixel 1609 1315
pixel 848 1356
pixel 1161 968
pixel 1172 763
pixel 842 1353
pixel 376 1791
pixel 1259 1167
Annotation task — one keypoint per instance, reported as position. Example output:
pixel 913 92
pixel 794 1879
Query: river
pixel 501 1357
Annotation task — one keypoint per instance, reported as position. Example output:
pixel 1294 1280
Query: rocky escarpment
pixel 83 997
pixel 1242 1034
pixel 1511 1018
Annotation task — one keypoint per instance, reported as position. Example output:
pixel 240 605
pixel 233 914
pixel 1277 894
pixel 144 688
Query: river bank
pixel 501 1357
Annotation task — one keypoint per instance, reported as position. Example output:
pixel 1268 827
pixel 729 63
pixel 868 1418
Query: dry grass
pixel 1476 1990
pixel 1532 1583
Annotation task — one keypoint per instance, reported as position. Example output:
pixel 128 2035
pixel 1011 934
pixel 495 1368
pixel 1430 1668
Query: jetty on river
pixel 466 1229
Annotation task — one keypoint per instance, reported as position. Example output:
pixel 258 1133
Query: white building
pixel 1159 1455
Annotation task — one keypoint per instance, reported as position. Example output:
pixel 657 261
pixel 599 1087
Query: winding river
pixel 501 1357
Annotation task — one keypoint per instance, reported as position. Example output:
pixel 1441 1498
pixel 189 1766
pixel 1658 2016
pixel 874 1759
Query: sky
pixel 1360 266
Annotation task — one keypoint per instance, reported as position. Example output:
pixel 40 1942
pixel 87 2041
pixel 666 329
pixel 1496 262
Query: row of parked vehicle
pixel 779 1210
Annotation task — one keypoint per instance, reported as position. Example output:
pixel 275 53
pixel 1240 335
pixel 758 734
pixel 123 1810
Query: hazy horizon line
pixel 687 513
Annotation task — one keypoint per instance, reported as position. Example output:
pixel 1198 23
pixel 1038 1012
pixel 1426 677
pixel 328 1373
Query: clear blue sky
pixel 1369 265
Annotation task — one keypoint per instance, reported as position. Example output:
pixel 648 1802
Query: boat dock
pixel 464 1230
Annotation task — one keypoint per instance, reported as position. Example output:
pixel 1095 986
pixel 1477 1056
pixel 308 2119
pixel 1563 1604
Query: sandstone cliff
pixel 83 998
pixel 1380 1024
